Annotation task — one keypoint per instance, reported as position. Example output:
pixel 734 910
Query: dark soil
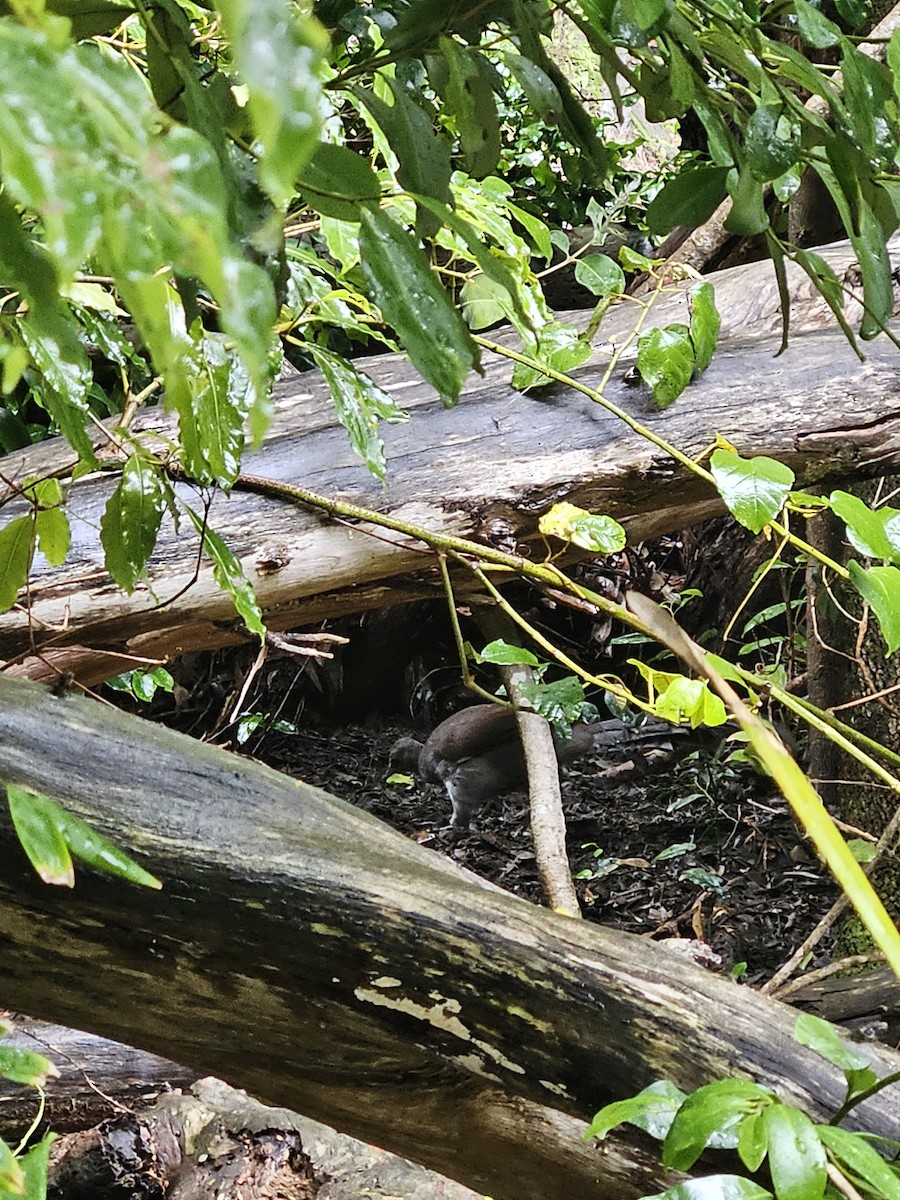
pixel 702 849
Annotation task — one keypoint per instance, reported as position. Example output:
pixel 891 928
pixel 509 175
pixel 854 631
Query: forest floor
pixel 701 849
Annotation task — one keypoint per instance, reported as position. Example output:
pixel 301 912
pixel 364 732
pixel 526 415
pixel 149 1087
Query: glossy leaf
pixel 690 198
pixel 470 98
pixel 815 28
pixel 652 1110
pixel 360 404
pixel 26 1067
pixel 412 300
pixel 709 1117
pixel 705 324
pixel 859 1159
pixel 599 534
pixel 503 654
pixel 601 275
pixel 212 410
pixel 666 362
pixel 278 50
pixel 829 288
pixel 823 1037
pixel 752 1144
pixel 877 272
pixel 35 1164
pixel 12 1177
pixel 130 523
pixel 771 141
pixel 872 532
pixel 880 588
pixel 560 702
pixel 16 544
pixel 560 347
pixel 229 575
pixel 796 1155
pixel 748 215
pixel 715 1187
pixel 42 840
pixel 51 526
pixel 337 180
pixel 754 489
pixel 49 833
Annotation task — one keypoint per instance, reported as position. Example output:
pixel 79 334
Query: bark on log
pixel 101 1081
pixel 488 467
pixel 304 951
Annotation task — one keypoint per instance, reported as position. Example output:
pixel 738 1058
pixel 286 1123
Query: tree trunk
pixel 485 470
pixel 305 951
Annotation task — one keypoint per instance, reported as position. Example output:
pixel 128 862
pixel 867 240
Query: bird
pixel 477 753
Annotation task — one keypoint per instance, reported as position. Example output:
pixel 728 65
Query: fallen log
pixel 306 952
pixel 485 470
pixel 103 1083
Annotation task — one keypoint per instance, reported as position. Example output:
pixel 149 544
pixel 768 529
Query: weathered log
pixel 101 1081
pixel 306 952
pixel 485 469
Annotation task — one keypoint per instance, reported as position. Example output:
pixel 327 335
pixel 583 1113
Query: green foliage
pixel 50 837
pixel 740 1116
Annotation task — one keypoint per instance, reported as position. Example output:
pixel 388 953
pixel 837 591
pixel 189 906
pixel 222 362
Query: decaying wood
pixel 303 950
pixel 98 1085
pixel 486 469
pixel 186 1148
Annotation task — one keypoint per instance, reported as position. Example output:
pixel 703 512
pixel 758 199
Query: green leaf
pixel 336 181
pixel 35 1165
pixel 423 156
pixel 872 532
pixel 771 141
pixel 51 525
pixel 561 702
pixel 652 1110
pixel 26 1067
pixel 752 1144
pixel 408 293
pixel 12 1177
pixel 48 833
pixel 279 51
pixel 880 588
pixel 16 545
pixel 666 362
pixel 599 534
pixel 690 198
pixel 748 214
pixel 857 1157
pixel 42 840
pixel 709 1117
pixel 815 28
pixel 484 302
pixel 541 92
pixel 212 409
pixel 829 288
pixel 601 275
pixel 502 653
pixel 360 404
pixel 715 1187
pixel 560 347
pixel 875 267
pixel 229 576
pixel 705 324
pixel 796 1155
pixel 754 489
pixel 821 1036
pixel 868 91
pixel 130 523
pixel 470 99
